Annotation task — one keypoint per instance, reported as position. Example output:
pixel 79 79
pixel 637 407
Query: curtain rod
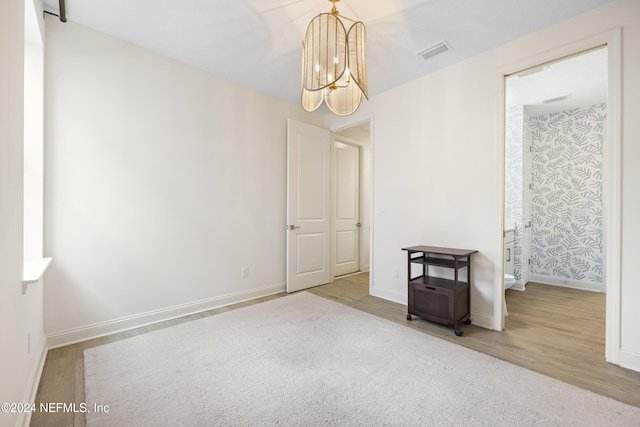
pixel 63 12
pixel 62 15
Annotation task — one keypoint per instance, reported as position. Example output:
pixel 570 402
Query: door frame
pixel 526 202
pixel 612 39
pixel 339 139
pixel 344 124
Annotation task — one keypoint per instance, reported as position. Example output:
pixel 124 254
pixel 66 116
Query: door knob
pixel 358 225
pixel 292 227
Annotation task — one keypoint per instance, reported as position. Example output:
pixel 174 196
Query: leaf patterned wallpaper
pixel 514 176
pixel 514 168
pixel 566 194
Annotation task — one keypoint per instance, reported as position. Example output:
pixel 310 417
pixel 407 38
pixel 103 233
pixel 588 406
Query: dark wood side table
pixel 438 300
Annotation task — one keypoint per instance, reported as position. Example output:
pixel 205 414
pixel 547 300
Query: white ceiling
pixel 258 42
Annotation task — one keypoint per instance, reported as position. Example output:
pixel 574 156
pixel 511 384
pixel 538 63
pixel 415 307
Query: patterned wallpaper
pixel 514 174
pixel 566 193
pixel 514 164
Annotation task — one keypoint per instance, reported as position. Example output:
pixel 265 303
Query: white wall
pixel 21 329
pixel 162 182
pixel 431 177
pixel 437 164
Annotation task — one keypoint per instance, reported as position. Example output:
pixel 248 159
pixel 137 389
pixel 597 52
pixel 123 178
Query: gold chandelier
pixel 334 63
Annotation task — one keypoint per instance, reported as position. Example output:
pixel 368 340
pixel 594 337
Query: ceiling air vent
pixel 435 49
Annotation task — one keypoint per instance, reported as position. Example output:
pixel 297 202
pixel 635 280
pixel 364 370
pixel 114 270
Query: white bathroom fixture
pixel 509 281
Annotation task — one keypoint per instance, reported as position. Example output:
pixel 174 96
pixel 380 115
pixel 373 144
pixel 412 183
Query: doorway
pixel 611 186
pixel 312 188
pixel 556 118
pixel 351 195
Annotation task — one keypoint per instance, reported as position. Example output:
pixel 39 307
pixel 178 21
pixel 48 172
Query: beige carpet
pixel 303 360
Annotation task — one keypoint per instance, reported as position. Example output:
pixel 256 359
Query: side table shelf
pixel 438 300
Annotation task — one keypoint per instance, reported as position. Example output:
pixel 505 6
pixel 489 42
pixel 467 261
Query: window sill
pixel 33 270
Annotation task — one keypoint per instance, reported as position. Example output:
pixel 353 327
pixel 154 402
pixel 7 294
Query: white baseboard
pixel 567 283
pixel 24 418
pixel 481 320
pixel 518 286
pixel 84 333
pixel 629 360
pixel 389 295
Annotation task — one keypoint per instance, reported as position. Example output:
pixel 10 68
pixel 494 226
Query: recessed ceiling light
pixel 435 49
pixel 531 71
pixel 556 99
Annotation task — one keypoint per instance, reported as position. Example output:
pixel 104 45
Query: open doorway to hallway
pixel 351 195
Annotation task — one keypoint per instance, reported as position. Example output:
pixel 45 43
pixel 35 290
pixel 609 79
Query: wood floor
pixel 558 332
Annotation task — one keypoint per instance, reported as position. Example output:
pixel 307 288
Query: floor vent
pixel 435 49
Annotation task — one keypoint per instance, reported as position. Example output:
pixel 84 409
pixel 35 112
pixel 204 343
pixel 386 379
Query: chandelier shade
pixel 334 64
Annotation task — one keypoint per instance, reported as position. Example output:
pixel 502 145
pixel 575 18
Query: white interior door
pixel 346 209
pixel 308 206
